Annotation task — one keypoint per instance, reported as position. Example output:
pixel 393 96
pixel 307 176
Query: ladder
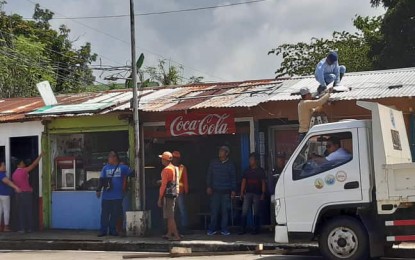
pixel 317 118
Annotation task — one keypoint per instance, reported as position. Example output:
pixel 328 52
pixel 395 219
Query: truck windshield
pixel 322 153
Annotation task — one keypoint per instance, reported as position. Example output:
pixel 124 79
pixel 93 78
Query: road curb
pixel 138 246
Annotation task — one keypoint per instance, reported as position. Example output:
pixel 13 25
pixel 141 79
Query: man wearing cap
pixel 306 107
pixel 221 186
pixel 328 71
pixel 183 190
pixel 167 195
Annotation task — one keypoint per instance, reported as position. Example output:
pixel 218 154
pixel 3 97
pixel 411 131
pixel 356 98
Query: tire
pixel 342 238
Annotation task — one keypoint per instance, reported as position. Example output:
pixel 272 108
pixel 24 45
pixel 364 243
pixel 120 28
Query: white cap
pixel 304 91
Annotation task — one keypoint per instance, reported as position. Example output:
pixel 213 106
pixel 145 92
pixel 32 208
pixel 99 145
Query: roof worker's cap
pixel 333 57
pixel 176 154
pixel 304 91
pixel 166 156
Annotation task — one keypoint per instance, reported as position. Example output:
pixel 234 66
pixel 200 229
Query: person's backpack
pixel 172 190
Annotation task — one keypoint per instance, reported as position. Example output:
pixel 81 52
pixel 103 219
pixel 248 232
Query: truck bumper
pixel 281 234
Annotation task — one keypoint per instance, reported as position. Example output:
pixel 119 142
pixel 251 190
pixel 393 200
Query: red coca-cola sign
pixel 201 124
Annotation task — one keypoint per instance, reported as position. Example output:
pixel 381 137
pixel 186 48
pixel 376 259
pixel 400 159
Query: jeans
pixel 330 77
pixel 111 211
pixel 25 209
pixel 5 209
pixel 181 204
pixel 220 204
pixel 249 200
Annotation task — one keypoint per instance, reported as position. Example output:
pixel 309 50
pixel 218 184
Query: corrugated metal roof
pixel 364 85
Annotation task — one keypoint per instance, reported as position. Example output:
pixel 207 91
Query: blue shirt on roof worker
pixel 328 71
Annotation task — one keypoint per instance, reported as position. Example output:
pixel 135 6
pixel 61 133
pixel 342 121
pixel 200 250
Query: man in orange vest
pixel 183 190
pixel 168 195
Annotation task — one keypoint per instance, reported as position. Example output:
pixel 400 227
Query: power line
pixel 158 13
pixel 128 44
pixel 49 68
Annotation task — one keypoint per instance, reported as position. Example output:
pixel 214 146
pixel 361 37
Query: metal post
pixel 137 162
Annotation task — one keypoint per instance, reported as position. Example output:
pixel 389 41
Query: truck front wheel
pixel 344 238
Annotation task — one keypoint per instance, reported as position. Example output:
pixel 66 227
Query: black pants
pixel 25 208
pixel 111 211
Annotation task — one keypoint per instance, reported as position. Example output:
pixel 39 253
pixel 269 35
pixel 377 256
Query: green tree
pixel 396 46
pixel 67 64
pixel 195 80
pixel 165 74
pixel 353 49
pixel 23 64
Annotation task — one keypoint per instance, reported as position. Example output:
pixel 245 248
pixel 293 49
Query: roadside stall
pixel 77 149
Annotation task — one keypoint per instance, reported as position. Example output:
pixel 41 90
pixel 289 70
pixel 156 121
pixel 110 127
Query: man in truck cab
pixel 335 153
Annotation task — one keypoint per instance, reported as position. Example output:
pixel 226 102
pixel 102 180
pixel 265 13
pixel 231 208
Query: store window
pixel 322 153
pixel 79 158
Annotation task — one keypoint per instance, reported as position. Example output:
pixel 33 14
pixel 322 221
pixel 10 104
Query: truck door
pixel 325 172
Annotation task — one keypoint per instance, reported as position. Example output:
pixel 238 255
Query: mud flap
pixel 375 230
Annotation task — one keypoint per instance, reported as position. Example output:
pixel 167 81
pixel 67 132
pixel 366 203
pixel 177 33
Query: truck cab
pixel 339 187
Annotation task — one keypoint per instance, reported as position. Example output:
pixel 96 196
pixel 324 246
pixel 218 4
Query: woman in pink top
pixel 24 199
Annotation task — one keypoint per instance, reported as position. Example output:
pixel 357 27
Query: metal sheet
pixel 67 109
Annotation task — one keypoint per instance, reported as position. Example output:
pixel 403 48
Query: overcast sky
pixel 222 44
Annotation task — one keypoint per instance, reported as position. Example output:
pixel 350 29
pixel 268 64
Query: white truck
pixel 355 200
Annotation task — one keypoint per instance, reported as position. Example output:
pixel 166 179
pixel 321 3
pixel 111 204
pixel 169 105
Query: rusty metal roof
pixel 364 85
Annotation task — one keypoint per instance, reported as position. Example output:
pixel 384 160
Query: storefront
pixel 21 141
pixel 197 136
pixel 76 150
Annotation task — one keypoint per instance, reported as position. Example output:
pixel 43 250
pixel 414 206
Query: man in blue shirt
pixel 111 181
pixel 328 71
pixel 221 186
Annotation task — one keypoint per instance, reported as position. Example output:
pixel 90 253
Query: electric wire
pixel 128 44
pixel 158 13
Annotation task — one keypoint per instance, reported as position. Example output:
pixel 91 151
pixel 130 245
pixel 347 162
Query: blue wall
pixel 75 210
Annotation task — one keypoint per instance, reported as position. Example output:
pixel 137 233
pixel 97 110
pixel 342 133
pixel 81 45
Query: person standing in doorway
pixel 111 181
pixel 24 199
pixel 253 189
pixel 183 191
pixel 306 107
pixel 5 191
pixel 168 194
pixel 221 186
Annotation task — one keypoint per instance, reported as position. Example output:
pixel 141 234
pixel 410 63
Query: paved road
pixel 89 255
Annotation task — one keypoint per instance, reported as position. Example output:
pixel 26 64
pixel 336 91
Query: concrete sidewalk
pixel 88 240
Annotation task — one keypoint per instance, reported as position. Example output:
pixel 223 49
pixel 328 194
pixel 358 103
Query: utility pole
pixel 137 139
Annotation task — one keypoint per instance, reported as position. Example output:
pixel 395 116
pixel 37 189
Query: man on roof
pixel 328 71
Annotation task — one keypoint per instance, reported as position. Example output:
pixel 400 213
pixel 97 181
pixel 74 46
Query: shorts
pixel 168 207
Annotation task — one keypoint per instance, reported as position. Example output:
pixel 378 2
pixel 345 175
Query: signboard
pixel 46 92
pixel 200 124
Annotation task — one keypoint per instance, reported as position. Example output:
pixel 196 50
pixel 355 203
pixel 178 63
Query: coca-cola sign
pixel 201 124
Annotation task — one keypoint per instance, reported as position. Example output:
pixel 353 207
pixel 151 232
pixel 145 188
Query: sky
pixel 222 44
